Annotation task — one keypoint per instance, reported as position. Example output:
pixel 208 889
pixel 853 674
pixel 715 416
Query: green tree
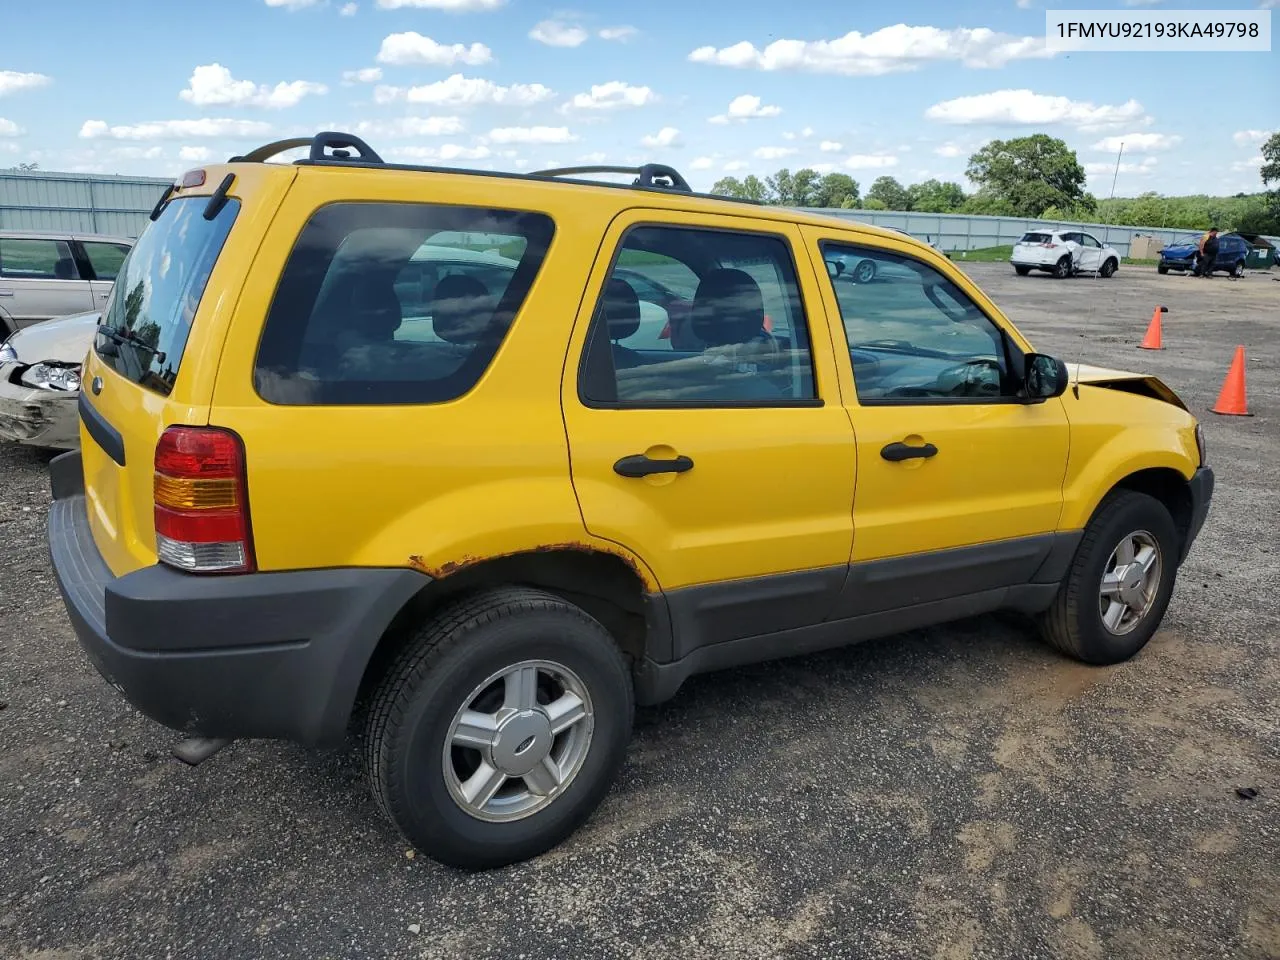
pixel 873 203
pixel 988 204
pixel 1031 174
pixel 891 193
pixel 793 189
pixel 934 197
pixel 1270 171
pixel 834 190
pixel 749 188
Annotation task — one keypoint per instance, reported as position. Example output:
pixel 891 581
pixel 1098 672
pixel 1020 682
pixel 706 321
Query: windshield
pixel 144 329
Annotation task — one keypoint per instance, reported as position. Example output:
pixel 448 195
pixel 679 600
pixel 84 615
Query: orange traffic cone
pixel 1231 401
pixel 1153 341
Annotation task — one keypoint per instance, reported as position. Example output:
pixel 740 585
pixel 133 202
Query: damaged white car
pixel 40 381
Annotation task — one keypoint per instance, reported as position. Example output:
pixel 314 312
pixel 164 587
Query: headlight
pixel 1204 457
pixel 7 353
pixel 48 376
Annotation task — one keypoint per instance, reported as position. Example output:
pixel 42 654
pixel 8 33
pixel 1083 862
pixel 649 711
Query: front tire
pixel 1108 268
pixel 499 728
pixel 1119 584
pixel 1237 271
pixel 1162 268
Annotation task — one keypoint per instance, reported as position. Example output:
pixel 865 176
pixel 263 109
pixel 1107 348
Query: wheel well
pixel 602 584
pixel 1170 488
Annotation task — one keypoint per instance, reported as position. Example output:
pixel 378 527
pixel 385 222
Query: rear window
pixel 143 332
pixel 396 303
pixel 1036 238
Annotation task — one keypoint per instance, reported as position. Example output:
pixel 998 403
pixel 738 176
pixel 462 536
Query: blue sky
pixel 713 87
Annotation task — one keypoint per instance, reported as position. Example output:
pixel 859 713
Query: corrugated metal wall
pixel 119 205
pixel 87 203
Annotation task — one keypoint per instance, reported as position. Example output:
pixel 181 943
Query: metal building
pixel 85 202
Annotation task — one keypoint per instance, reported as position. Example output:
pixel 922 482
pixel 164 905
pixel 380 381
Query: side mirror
pixel 1046 377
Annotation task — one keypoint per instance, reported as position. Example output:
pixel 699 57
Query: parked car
pixel 1233 251
pixel 46 275
pixel 40 381
pixel 1064 253
pixel 290 516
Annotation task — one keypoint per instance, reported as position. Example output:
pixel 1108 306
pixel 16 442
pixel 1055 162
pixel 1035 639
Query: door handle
pixel 900 451
pixel 638 465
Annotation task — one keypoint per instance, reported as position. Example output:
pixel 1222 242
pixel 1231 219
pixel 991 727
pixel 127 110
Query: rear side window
pixel 144 330
pixel 105 258
pixel 396 303
pixel 1035 238
pixel 34 259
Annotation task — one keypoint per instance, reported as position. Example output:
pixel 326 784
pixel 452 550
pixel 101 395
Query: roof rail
pixel 647 175
pixel 333 149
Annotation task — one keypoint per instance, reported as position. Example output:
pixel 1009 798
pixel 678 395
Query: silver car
pixel 40 381
pixel 45 275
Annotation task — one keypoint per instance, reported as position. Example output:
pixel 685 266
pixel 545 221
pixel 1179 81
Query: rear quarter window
pixel 396 303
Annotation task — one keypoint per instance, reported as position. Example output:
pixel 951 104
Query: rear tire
pixel 1062 269
pixel 1098 579
pixel 1021 271
pixel 420 773
pixel 1108 268
pixel 1238 270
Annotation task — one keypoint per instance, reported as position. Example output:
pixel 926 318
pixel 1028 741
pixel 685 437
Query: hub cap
pixel 1130 583
pixel 518 741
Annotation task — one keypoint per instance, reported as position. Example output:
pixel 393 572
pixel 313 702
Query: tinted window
pixel 105 258
pixel 144 329
pixel 914 335
pixel 1035 238
pixel 37 260
pixel 385 303
pixel 732 332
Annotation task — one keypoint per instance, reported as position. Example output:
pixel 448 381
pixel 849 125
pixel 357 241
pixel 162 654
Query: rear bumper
pixel 1201 487
pixel 1032 260
pixel 277 655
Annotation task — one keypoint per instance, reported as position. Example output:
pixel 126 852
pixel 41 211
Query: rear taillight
pixel 202 502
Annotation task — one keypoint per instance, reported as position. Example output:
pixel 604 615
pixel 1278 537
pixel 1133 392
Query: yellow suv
pixel 472 463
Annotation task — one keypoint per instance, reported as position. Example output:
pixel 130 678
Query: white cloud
pixel 1252 164
pixel 365 75
pixel 176 129
pixel 1104 169
pixel 292 4
pixel 822 167
pixel 1138 142
pixel 746 107
pixel 348 9
pixel 613 95
pixel 194 154
pixel 948 150
pixel 735 165
pixel 702 163
pixel 830 146
pixel 10 129
pixel 446 153
pixel 622 33
pixel 1025 4
pixel 213 85
pixel 666 137
pixel 459 91
pixel 450 6
pixel 774 153
pixel 557 33
pixel 411 127
pixel 413 48
pixel 1247 138
pixel 888 50
pixel 1023 107
pixel 597 157
pixel 11 81
pixel 870 161
pixel 531 135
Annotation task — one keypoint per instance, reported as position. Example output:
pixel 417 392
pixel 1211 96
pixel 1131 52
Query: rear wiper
pixel 122 336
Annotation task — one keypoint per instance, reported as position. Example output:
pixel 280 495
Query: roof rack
pixel 334 149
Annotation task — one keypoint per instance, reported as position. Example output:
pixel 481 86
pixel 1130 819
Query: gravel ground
pixel 953 793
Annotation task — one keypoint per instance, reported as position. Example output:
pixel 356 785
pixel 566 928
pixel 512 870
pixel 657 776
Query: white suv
pixel 1063 253
pixel 44 275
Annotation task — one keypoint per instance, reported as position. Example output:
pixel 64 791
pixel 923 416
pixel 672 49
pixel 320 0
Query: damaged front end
pixel 38 403
pixel 1142 384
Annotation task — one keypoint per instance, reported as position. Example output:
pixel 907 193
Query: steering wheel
pixel 965 381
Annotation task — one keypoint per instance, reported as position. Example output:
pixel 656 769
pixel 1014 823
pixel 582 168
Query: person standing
pixel 1208 252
